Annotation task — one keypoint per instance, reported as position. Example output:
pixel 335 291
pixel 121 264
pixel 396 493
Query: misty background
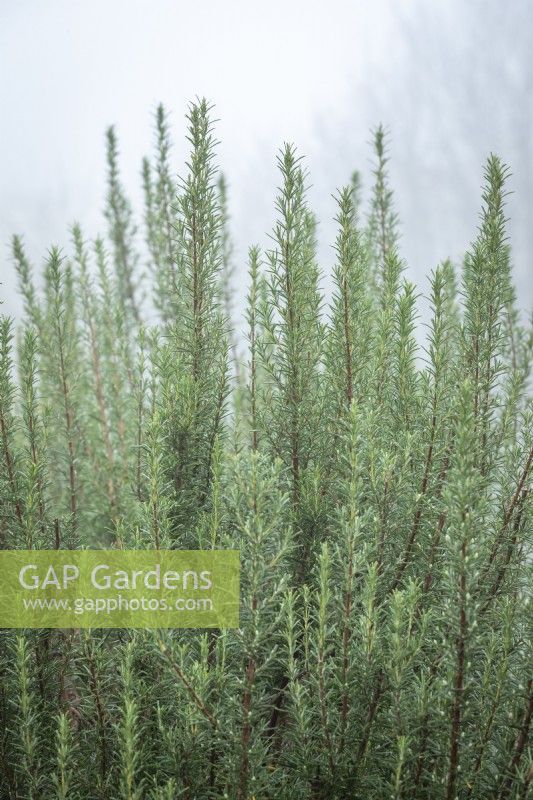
pixel 451 80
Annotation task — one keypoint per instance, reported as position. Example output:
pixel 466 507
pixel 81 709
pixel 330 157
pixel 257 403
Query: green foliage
pixel 376 482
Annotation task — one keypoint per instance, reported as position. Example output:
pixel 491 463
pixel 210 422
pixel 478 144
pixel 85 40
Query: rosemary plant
pixel 377 483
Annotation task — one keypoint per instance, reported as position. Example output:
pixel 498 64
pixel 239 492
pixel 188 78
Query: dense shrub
pixel 379 492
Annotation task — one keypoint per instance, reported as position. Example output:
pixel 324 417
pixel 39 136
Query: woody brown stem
pixel 510 510
pixel 246 724
pixel 457 706
pixel 520 745
pixel 189 687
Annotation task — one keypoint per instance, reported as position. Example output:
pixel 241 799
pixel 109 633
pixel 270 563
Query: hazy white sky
pixel 451 80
